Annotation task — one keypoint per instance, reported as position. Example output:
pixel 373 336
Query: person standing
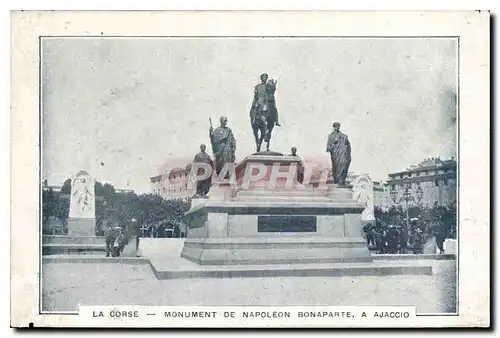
pixel 136 230
pixel 112 234
pixel 418 241
pixel 440 235
pixel 223 145
pixel 108 239
pixel 203 186
pixel 339 147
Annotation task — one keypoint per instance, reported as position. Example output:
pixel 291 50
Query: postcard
pixel 250 169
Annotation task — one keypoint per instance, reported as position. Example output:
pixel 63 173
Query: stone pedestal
pixel 221 191
pixel 450 246
pixel 198 201
pixel 430 246
pixel 81 227
pixel 281 222
pixel 81 239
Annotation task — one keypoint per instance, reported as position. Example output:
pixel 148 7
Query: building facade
pixel 381 195
pixel 176 183
pixel 46 187
pixel 436 177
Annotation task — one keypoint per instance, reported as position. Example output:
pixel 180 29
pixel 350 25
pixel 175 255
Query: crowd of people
pixel 389 232
pixel 387 238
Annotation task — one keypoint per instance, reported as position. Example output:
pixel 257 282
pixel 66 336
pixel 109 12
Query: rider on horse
pixel 264 105
pixel 264 114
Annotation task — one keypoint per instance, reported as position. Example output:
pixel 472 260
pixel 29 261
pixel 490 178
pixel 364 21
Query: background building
pixel 381 194
pixel 175 183
pixel 438 179
pixel 46 186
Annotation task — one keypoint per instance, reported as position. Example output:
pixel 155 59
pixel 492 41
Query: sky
pixel 123 109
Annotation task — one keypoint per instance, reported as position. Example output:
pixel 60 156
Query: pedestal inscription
pixel 287 223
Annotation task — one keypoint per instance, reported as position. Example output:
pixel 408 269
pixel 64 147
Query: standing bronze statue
pixel 264 113
pixel 339 148
pixel 223 145
pixel 203 186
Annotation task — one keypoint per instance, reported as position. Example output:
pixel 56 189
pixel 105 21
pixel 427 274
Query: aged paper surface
pixel 127 98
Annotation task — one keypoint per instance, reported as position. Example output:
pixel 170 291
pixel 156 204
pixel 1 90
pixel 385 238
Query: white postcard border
pixel 472 28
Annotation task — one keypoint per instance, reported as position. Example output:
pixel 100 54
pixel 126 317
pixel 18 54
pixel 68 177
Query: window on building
pixel 418 174
pixel 436 183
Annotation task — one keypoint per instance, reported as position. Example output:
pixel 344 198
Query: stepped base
pixel 269 217
pixel 177 268
pixel 274 232
pixel 73 245
pixel 275 250
pixel 289 270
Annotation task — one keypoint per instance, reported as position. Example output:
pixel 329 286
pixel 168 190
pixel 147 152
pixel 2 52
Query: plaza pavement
pixel 65 285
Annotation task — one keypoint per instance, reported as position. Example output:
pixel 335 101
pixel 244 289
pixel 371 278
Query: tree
pixel 62 208
pixel 104 190
pixel 48 205
pixel 66 187
pixel 120 208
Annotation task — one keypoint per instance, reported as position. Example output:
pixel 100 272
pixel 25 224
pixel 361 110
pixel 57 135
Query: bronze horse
pixel 263 118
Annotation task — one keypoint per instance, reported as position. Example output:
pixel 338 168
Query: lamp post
pixel 407 197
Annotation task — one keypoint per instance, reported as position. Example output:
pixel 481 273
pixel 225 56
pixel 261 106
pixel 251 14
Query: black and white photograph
pixel 308 173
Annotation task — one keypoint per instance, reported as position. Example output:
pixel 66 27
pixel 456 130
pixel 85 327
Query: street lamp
pixel 406 197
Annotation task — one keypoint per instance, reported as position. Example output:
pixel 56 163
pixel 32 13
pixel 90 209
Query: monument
pixel 81 237
pixel 362 188
pixel 81 220
pixel 266 215
pixel 272 218
pixel 261 220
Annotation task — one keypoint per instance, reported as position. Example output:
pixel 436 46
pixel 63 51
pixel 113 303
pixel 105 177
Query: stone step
pixel 54 239
pixel 296 272
pixel 278 198
pixel 178 268
pixel 93 259
pixel 406 257
pixel 69 249
pixel 181 269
